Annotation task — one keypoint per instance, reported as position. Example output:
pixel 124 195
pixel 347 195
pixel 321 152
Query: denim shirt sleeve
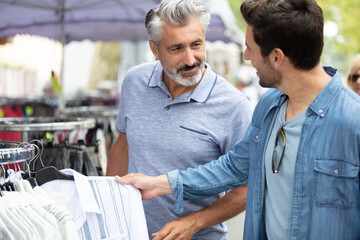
pixel 177 188
pixel 227 172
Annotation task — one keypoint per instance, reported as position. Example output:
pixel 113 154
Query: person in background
pixel 301 153
pixel 353 78
pixel 246 81
pixel 176 113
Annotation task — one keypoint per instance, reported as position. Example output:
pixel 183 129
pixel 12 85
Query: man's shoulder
pixel 145 69
pixel 352 96
pixel 139 75
pixel 347 105
pixel 224 88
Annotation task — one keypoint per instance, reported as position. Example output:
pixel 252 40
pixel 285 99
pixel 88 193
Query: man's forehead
pixel 191 32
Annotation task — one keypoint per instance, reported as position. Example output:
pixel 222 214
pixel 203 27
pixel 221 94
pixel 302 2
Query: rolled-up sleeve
pixel 177 188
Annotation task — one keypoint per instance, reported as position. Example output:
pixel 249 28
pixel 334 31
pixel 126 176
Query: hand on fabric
pixel 149 186
pixel 179 229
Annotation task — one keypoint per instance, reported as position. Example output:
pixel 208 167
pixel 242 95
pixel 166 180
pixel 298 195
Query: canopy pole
pixel 61 105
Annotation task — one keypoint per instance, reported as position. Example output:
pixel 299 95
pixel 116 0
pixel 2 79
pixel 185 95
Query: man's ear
pixel 277 57
pixel 154 49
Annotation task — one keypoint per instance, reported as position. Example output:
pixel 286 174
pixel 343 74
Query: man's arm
pixel 118 161
pixel 225 208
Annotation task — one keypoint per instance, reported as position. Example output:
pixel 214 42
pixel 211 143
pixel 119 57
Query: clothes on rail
pixel 30 213
pixel 102 208
pixel 83 150
pixel 15 111
pixel 26 107
pixel 104 116
pixel 80 207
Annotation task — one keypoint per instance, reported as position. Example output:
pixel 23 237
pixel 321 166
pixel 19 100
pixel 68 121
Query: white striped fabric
pixel 101 207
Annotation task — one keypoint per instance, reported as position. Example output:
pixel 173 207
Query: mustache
pixel 187 67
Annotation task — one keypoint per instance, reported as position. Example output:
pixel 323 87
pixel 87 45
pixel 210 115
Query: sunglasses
pixel 354 77
pixel 275 163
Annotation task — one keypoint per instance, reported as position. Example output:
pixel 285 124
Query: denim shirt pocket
pixel 335 182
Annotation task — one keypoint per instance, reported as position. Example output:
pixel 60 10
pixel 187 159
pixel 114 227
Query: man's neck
pixel 302 87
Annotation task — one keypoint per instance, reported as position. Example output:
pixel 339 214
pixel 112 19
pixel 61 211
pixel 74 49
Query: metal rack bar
pixel 90 111
pixel 44 124
pixel 14 152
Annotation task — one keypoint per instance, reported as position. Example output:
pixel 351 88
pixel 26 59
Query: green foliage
pixel 339 49
pixel 235 7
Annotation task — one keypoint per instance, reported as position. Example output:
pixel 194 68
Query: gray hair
pixel 175 13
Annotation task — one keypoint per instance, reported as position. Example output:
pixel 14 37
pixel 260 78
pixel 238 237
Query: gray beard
pixel 186 80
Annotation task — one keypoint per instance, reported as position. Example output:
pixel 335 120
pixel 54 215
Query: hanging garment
pixel 53 156
pixel 11 112
pixel 5 232
pixel 89 166
pixel 76 160
pixel 29 213
pixel 101 207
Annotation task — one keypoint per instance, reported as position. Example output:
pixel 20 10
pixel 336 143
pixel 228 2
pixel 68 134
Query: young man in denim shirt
pixel 300 154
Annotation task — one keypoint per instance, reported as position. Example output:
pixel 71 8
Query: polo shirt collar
pixel 200 94
pixel 156 76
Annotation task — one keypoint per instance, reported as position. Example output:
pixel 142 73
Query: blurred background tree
pixel 342 37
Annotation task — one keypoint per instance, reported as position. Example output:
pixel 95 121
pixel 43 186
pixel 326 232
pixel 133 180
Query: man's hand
pixel 179 229
pixel 149 186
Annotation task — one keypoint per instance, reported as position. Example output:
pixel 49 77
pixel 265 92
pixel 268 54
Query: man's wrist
pixel 197 222
pixel 163 185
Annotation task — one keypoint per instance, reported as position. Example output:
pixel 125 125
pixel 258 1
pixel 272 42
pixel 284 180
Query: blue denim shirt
pixel 326 194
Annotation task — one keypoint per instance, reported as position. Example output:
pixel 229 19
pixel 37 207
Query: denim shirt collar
pixel 326 97
pixel 200 94
pixel 324 100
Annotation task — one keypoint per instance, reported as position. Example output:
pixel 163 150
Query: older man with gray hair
pixel 177 113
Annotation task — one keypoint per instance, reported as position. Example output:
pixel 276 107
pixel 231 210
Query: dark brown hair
pixel 294 26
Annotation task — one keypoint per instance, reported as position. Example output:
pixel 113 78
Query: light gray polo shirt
pixel 165 134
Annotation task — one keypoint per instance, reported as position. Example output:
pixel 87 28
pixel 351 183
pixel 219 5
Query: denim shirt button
pixel 321 111
pixel 336 172
pixel 257 137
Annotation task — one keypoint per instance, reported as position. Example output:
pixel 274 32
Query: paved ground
pixel 236 227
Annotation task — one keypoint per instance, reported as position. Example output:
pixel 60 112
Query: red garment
pixel 12 136
pixel 15 111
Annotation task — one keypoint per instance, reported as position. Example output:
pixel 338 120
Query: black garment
pixel 53 156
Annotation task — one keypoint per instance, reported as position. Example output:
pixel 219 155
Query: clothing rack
pixel 14 152
pixel 90 111
pixel 105 116
pixel 25 125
